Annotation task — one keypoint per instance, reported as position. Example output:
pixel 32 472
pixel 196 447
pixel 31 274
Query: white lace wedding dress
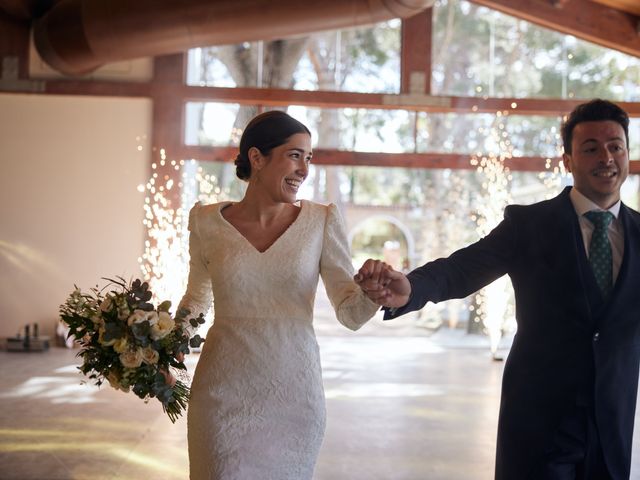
pixel 257 406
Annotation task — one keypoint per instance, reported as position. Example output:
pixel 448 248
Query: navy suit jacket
pixel 570 346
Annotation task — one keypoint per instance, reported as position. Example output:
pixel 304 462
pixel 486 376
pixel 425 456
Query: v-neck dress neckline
pixel 229 225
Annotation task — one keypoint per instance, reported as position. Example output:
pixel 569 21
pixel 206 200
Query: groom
pixel 570 381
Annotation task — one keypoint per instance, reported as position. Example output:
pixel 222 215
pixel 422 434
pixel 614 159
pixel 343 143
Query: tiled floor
pixel 402 405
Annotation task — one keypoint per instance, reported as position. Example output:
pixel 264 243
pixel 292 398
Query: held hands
pixel 382 284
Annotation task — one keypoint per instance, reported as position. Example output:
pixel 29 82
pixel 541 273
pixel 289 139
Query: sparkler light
pixel 493 303
pixel 493 306
pixel 165 261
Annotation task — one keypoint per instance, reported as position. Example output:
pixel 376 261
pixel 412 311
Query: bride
pixel 257 405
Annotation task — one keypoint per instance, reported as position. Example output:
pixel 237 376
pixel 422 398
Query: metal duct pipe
pixel 77 36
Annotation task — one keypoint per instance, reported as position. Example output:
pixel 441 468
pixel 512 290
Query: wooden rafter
pixel 415 71
pixel 322 156
pixel 594 22
pixel 168 121
pixel 630 6
pixel 168 94
pixel 322 99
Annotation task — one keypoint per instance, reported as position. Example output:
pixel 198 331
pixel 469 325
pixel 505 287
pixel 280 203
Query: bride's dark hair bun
pixel 265 132
pixel 243 167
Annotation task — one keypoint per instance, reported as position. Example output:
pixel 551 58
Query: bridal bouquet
pixel 131 343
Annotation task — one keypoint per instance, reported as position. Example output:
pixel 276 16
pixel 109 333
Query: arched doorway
pixel 382 237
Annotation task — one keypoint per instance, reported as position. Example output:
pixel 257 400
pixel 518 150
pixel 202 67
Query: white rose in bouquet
pixel 163 326
pixel 136 317
pixel 131 358
pixel 150 356
pixel 139 316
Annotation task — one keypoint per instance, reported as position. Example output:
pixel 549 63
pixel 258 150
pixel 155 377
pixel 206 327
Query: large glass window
pixel 359 129
pixel 478 51
pixel 363 59
pixel 396 131
pixel 221 124
pixel 211 123
pixel 508 135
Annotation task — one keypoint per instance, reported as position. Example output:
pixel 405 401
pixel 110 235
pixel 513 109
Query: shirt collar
pixel 583 205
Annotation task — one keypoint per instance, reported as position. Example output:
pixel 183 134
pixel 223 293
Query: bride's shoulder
pixel 203 214
pixel 315 206
pixel 200 208
pixel 313 209
pixel 328 212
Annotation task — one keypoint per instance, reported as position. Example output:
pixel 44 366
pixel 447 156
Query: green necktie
pixel 600 257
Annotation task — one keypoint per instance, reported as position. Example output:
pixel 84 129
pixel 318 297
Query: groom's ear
pixel 566 161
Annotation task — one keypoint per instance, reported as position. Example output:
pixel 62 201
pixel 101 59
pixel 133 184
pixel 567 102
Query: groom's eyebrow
pixel 594 140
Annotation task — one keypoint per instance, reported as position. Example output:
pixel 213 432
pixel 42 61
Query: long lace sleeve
pixel 353 308
pixel 197 298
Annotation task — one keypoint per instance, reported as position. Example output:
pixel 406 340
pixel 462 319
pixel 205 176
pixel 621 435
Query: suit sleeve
pixel 353 308
pixel 465 271
pixel 198 296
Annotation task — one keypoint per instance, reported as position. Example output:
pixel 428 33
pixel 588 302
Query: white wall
pixel 70 212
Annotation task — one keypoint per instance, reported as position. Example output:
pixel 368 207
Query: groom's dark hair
pixel 596 110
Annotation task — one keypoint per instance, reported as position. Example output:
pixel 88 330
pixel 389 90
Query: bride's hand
pixel 382 284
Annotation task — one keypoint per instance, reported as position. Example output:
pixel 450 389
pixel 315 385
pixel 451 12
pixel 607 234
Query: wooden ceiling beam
pixel 584 19
pixel 14 43
pixel 97 88
pixel 322 156
pixel 322 99
pixel 24 9
pixel 167 126
pixel 413 102
pixel 631 6
pixel 415 53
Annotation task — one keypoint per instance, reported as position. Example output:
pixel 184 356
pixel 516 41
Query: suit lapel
pixel 569 252
pixel 565 245
pixel 630 260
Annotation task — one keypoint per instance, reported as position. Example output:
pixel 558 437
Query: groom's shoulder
pixel 537 209
pixel 633 212
pixel 632 215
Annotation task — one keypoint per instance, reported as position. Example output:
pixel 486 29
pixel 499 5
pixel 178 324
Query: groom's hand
pixel 382 284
